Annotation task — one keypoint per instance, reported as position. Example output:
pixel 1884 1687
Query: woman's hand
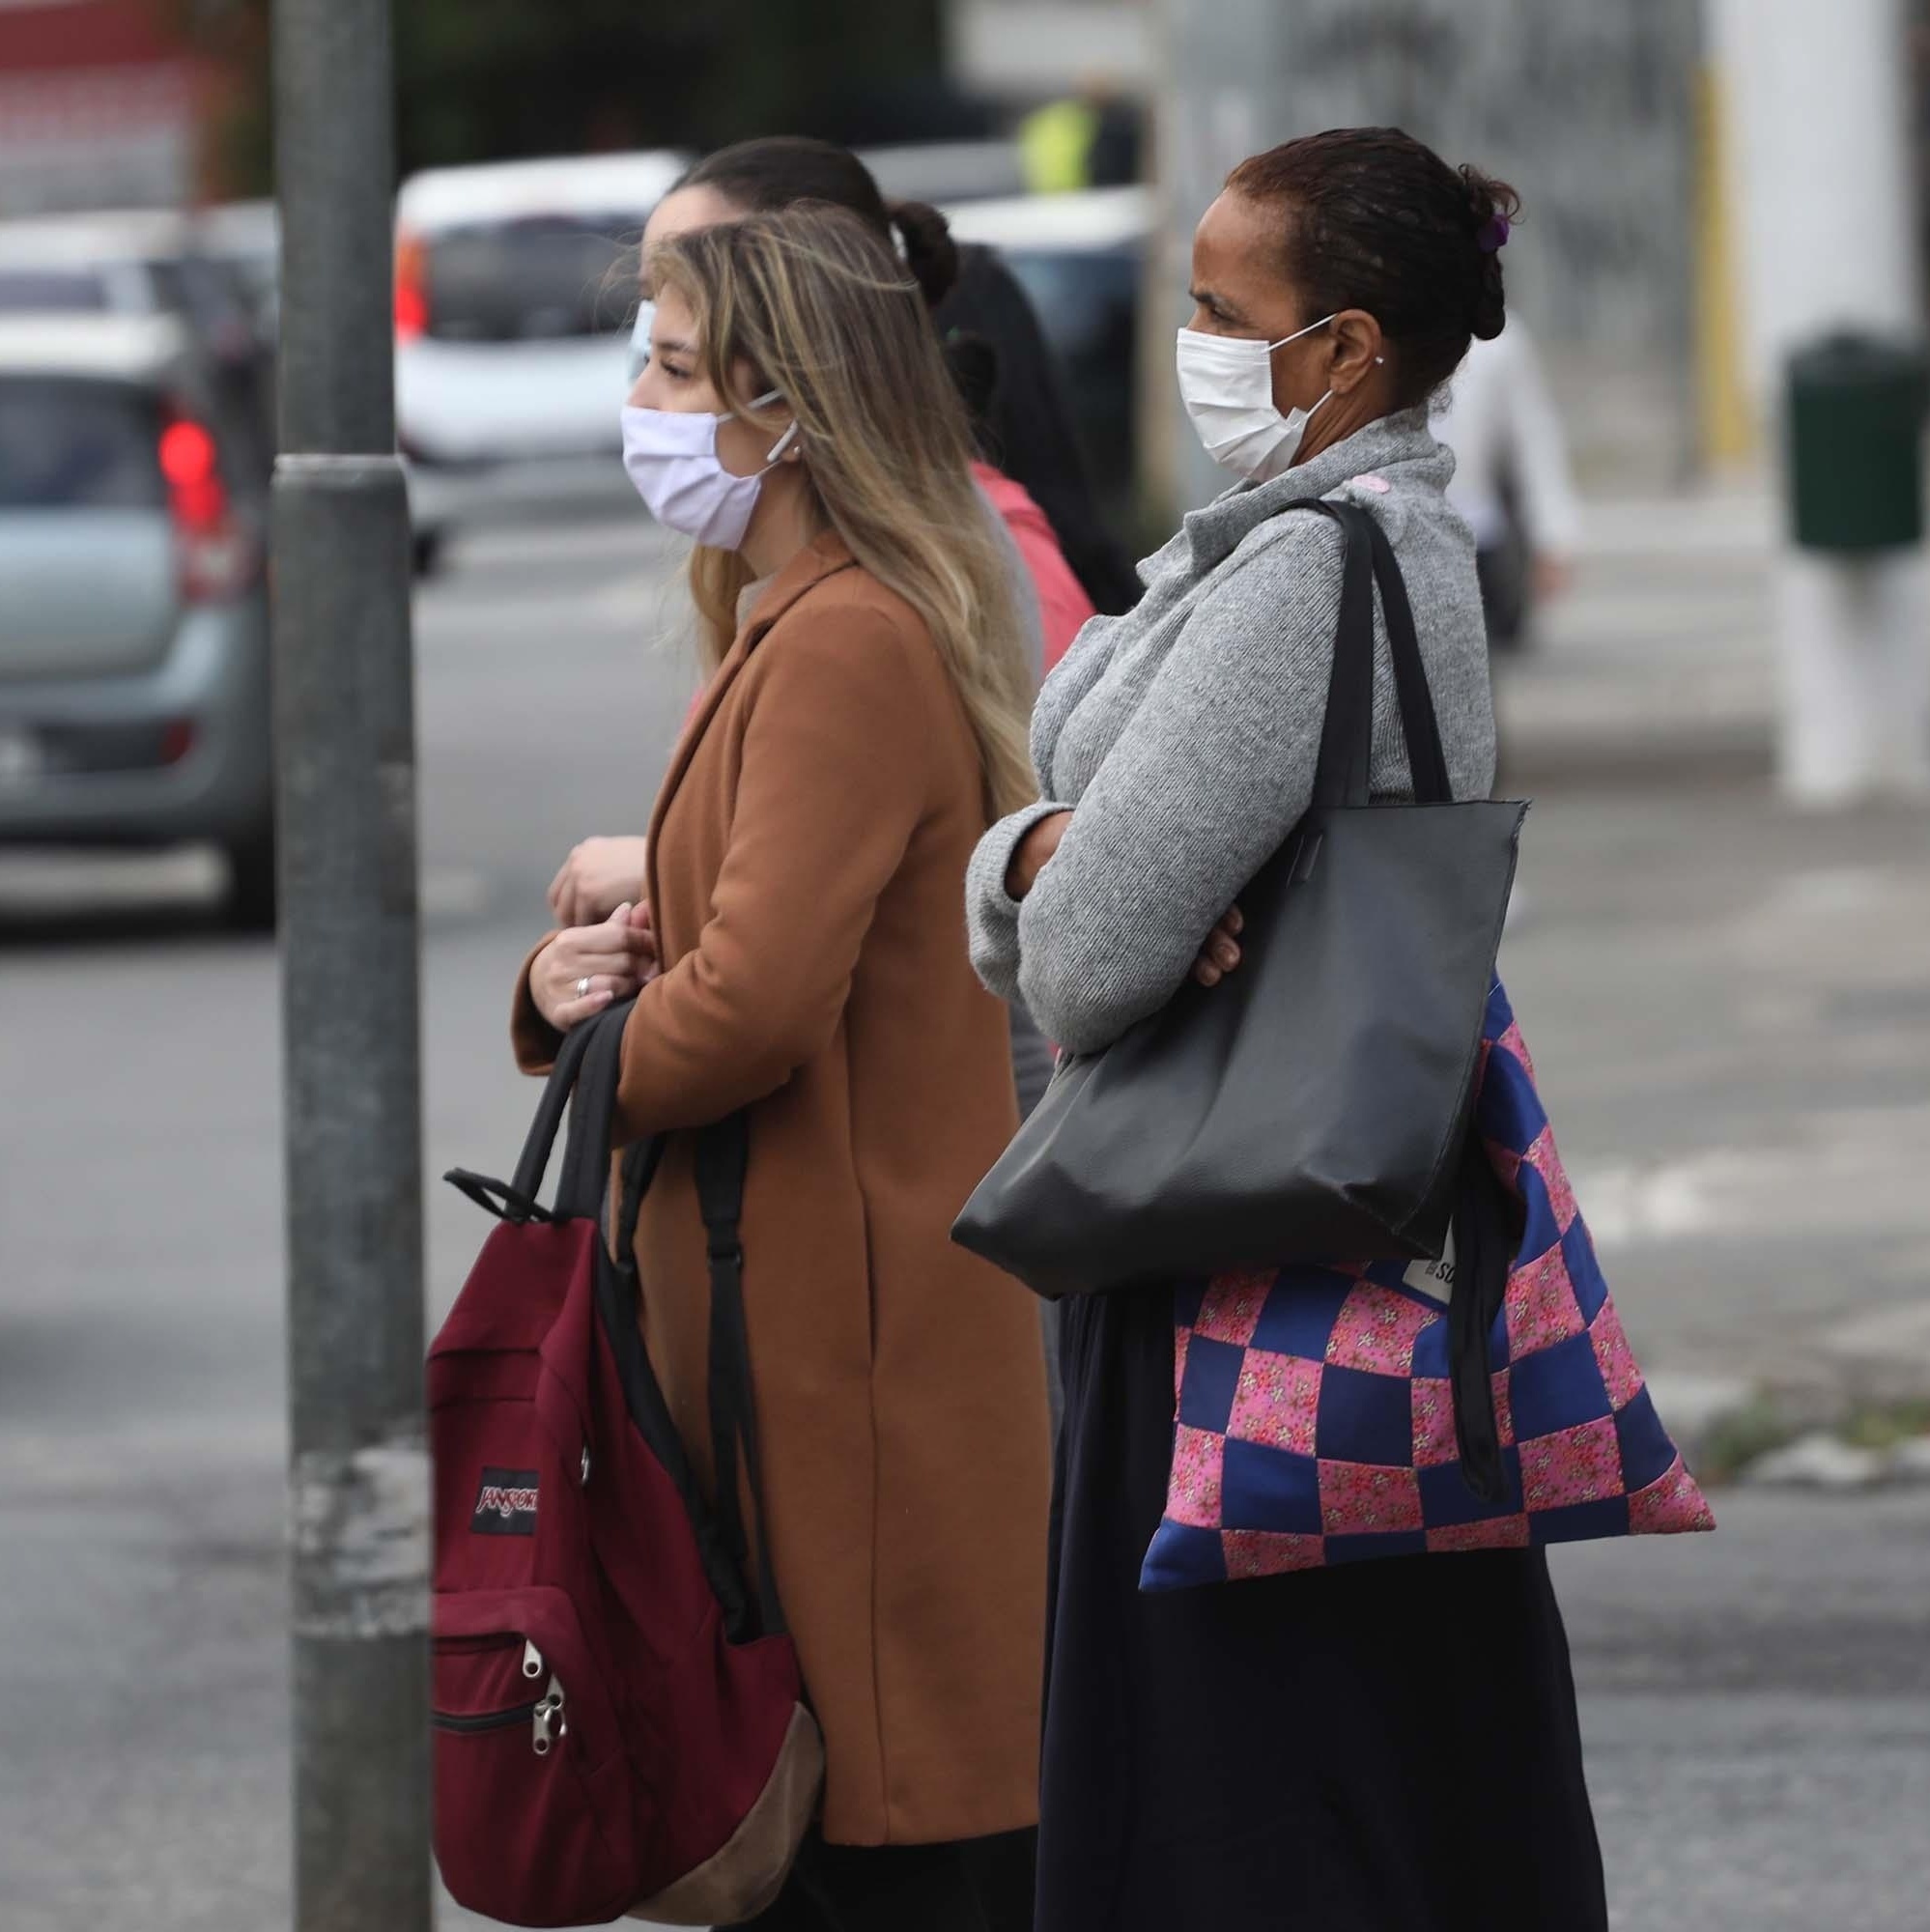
pixel 598 877
pixel 1554 574
pixel 1221 953
pixel 583 970
pixel 1033 850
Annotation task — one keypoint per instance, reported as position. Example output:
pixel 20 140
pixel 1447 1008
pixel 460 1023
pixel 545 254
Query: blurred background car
pixel 150 261
pixel 944 173
pixel 135 705
pixel 514 293
pixel 243 238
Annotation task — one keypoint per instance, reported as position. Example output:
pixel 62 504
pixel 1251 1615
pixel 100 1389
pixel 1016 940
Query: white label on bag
pixel 1433 1279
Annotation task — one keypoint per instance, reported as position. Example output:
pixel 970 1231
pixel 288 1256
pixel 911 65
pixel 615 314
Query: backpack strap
pixel 722 1161
pixel 585 1169
pixel 516 1199
pixel 621 1308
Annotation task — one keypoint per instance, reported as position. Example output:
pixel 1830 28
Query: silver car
pixel 133 611
pixel 516 285
pixel 157 262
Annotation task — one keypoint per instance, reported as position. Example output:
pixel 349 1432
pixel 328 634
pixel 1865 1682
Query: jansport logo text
pixel 505 1503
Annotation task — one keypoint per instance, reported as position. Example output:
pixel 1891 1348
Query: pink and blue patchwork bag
pixel 1324 1413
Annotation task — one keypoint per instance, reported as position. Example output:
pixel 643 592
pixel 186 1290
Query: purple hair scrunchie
pixel 1494 235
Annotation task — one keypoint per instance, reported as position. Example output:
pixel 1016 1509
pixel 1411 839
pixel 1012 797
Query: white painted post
pixel 1855 675
pixel 1822 163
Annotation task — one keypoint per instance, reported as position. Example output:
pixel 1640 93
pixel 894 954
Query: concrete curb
pixel 1563 761
pixel 1821 1460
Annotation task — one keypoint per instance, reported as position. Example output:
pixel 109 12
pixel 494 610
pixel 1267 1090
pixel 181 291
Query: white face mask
pixel 639 340
pixel 1226 384
pixel 671 457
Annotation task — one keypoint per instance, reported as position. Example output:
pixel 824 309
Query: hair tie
pixel 1494 235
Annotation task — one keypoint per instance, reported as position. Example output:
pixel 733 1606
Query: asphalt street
pixel 1727 1010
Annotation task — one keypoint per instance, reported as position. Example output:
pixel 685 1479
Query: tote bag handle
pixel 1346 737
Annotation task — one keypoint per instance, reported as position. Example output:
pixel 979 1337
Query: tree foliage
pixel 492 80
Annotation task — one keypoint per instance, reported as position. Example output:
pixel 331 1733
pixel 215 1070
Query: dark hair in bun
pixel 1373 220
pixel 777 171
pixel 1494 208
pixel 930 253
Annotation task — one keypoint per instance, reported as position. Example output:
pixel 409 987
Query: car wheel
pixel 428 552
pixel 251 882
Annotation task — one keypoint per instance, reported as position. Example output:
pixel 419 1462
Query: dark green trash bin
pixel 1857 409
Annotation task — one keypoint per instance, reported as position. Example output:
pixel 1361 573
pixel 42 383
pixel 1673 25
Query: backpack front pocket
pixel 533 1821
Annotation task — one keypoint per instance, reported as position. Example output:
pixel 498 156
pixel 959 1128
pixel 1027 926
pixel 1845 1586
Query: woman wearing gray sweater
pixel 1388 1746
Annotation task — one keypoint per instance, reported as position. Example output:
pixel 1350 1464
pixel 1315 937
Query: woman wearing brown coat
pixel 801 954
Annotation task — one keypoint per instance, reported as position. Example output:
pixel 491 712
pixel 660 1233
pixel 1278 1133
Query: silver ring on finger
pixel 582 989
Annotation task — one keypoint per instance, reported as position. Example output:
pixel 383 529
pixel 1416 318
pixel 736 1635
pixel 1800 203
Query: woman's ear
pixel 1359 347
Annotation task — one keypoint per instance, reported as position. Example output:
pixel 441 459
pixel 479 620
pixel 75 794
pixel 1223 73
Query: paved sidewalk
pixel 1663 655
pixel 1729 1001
pixel 1729 1007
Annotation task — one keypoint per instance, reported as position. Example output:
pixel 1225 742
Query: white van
pixel 515 288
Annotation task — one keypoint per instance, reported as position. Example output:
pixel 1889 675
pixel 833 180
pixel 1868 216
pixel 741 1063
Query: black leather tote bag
pixel 1314 1105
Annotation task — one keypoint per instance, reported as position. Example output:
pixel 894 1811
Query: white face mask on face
pixel 671 457
pixel 1226 384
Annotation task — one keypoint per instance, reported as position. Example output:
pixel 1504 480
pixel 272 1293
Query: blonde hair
pixel 817 308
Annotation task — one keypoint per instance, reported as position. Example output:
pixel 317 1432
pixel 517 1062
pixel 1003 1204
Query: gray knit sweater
pixel 1183 735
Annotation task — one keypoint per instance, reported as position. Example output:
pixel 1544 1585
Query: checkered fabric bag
pixel 1316 1418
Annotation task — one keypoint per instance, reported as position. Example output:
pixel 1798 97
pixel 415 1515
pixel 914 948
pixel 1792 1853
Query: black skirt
pixel 1384 1746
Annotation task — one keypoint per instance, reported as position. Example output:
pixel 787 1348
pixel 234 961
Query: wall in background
pixel 1590 111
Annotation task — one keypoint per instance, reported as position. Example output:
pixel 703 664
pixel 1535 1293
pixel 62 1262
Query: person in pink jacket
pixel 1062 603
pixel 1061 600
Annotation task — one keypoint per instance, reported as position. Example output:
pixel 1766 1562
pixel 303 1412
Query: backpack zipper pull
pixel 533 1660
pixel 548 1725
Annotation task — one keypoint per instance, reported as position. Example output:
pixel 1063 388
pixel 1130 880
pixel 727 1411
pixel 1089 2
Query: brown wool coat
pixel 806 859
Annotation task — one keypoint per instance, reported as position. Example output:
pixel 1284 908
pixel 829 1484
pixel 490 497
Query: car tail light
pixel 213 550
pixel 412 289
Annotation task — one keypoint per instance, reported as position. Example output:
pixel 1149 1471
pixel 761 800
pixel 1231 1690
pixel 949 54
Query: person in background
pixel 606 871
pixel 1063 611
pixel 1027 424
pixel 863 721
pixel 762 176
pixel 1512 480
pixel 1027 430
pixel 1088 138
pixel 1064 607
pixel 1381 1747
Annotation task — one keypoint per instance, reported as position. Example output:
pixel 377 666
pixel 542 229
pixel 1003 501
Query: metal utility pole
pixel 346 757
pixel 1819 109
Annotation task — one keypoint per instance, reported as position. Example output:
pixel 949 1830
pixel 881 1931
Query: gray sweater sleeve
pixel 991 913
pixel 1201 787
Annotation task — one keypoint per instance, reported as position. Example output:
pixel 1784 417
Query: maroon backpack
pixel 619 1726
